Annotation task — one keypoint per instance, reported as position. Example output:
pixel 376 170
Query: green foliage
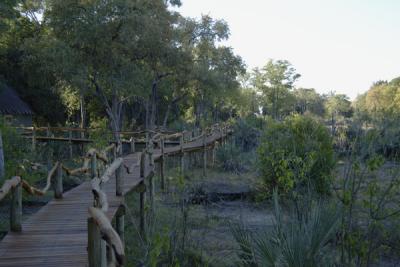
pixel 275 82
pixel 300 238
pixel 296 153
pixel 232 159
pixel 16 149
pixel 100 134
pixel 246 136
pixel 368 191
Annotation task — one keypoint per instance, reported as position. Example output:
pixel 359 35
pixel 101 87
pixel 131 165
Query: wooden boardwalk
pixel 57 234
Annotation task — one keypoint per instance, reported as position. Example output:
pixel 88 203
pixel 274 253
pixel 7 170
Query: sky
pixel 336 45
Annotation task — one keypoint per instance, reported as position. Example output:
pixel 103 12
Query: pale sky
pixel 336 45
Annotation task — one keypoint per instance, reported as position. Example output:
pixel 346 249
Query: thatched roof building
pixel 13 108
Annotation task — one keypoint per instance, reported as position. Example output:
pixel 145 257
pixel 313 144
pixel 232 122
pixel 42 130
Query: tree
pixel 338 106
pixel 108 43
pixel 275 82
pixel 309 101
pixel 215 67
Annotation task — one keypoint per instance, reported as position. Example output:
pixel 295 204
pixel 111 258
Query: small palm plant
pixel 299 239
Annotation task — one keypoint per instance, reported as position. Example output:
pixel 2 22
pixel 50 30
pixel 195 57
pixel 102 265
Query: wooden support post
pixel 162 166
pixel 147 139
pixel 204 154
pixel 16 209
pixel 33 139
pixel 2 164
pixel 70 144
pixel 119 178
pixel 143 214
pixel 132 143
pixel 58 182
pixel 50 152
pixel 96 253
pixel 142 195
pixel 115 152
pixel 120 223
pixel 213 155
pixel 93 166
pixel 151 192
pixel 182 155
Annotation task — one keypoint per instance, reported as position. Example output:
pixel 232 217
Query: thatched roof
pixel 11 103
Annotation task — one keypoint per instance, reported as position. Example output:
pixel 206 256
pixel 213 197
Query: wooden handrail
pixel 40 192
pixel 8 185
pixel 109 234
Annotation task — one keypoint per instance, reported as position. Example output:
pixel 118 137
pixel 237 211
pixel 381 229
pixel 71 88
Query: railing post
pixel 2 163
pixel 33 138
pixel 142 224
pixel 182 140
pixel 142 195
pixel 58 183
pixel 204 153
pixel 120 223
pixel 132 143
pixel 119 179
pixel 214 152
pixel 97 255
pixel 70 144
pixel 162 165
pixel 16 209
pixel 93 166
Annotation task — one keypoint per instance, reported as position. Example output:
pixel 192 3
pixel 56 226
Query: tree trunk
pixel 197 113
pixel 2 168
pixel 147 115
pixel 165 121
pixel 113 110
pixel 82 114
pixel 153 108
pixel 169 107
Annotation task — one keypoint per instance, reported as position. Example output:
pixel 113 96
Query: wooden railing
pixel 101 235
pixel 106 244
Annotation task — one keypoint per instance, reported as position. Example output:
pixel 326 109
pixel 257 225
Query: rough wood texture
pixel 8 185
pixel 96 259
pixel 57 234
pixel 2 169
pixel 16 208
pixel 108 234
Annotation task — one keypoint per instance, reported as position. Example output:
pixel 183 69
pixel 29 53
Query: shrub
pixel 232 159
pixel 246 136
pixel 296 153
pixel 16 149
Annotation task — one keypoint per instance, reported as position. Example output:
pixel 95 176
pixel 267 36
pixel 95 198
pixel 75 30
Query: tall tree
pixel 108 43
pixel 275 81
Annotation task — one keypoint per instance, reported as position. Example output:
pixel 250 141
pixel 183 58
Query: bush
pixel 232 159
pixel 295 154
pixel 16 149
pixel 246 136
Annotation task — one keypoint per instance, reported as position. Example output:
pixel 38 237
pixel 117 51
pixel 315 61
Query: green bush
pixel 295 154
pixel 16 149
pixel 245 135
pixel 230 158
